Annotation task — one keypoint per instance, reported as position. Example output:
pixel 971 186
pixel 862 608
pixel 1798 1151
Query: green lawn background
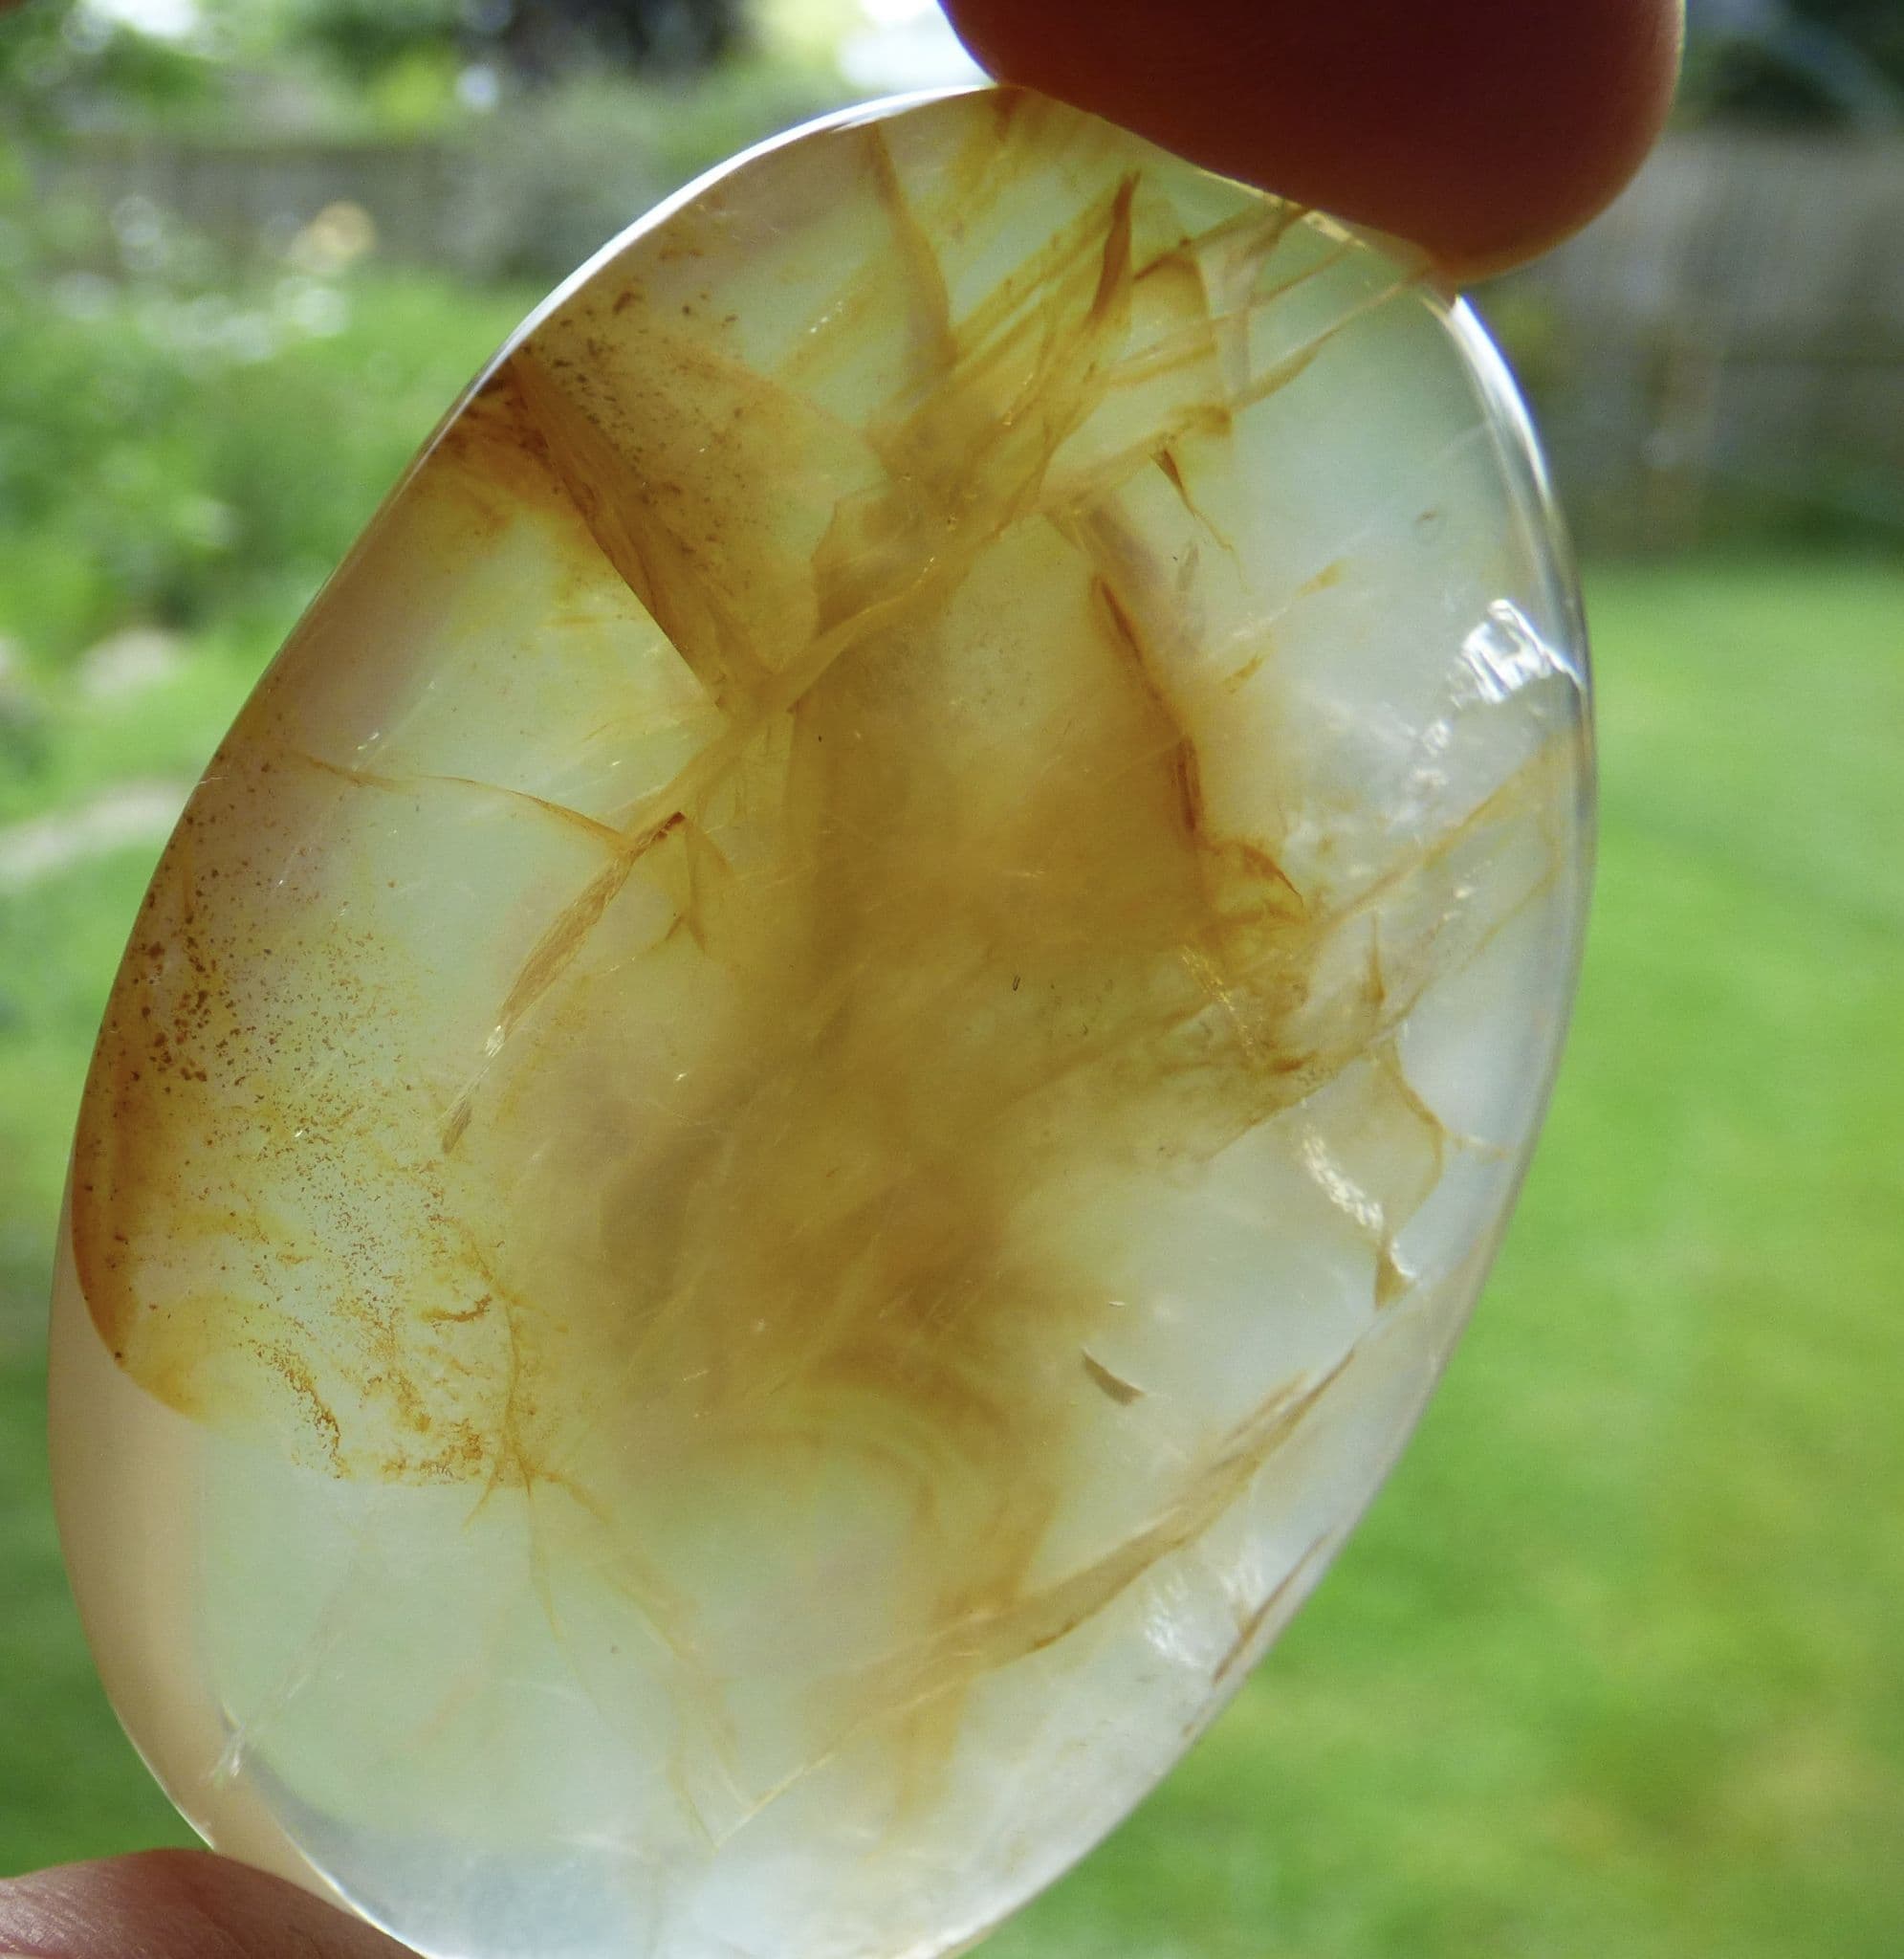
pixel 1611 1668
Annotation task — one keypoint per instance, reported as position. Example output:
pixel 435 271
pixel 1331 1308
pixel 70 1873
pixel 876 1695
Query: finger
pixel 1486 130
pixel 174 1904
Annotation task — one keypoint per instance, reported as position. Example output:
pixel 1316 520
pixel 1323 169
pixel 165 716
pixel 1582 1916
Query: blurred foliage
pixel 545 39
pixel 366 36
pixel 1796 62
pixel 62 60
pixel 151 469
pixel 330 63
pixel 540 38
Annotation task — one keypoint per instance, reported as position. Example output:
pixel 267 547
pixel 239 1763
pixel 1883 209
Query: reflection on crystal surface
pixel 810 1095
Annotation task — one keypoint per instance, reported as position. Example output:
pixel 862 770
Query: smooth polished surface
pixel 813 1091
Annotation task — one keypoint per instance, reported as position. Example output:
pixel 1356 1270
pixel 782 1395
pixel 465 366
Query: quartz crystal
pixel 811 1094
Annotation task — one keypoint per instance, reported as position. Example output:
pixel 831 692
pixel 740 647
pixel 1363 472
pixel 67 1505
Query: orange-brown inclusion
pixel 758 1173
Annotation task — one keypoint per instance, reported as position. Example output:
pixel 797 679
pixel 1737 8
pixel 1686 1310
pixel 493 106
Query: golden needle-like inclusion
pixel 810 1094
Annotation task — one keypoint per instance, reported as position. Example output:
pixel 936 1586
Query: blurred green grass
pixel 1611 1669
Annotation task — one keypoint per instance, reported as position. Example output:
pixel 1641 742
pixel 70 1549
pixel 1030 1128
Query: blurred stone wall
pixel 1722 353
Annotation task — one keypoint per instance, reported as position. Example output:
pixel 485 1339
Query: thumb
pixel 174 1904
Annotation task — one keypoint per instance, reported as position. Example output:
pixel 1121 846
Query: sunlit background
pixel 1613 1668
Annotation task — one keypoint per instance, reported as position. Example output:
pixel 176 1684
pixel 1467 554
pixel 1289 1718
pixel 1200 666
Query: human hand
pixel 174 1904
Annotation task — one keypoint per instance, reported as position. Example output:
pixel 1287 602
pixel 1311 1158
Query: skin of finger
pixel 175 1905
pixel 1484 130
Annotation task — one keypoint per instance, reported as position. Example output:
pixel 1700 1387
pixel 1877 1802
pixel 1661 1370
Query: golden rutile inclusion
pixel 810 1094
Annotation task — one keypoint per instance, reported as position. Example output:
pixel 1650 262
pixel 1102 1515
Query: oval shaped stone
pixel 809 1096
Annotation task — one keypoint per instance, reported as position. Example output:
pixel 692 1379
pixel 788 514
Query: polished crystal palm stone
pixel 812 1094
